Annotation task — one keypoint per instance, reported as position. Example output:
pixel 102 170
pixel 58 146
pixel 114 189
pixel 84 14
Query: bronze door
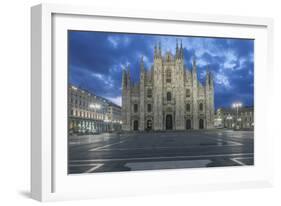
pixel 201 124
pixel 188 124
pixel 136 125
pixel 169 122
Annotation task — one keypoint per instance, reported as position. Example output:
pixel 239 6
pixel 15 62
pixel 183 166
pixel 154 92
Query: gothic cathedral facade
pixel 168 96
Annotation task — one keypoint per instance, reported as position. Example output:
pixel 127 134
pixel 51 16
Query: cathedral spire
pixel 194 63
pixel 142 69
pixel 159 49
pixel 141 64
pixel 207 76
pixel 181 50
pixel 124 78
pixel 128 77
pixel 155 50
pixel 177 49
pixel 211 80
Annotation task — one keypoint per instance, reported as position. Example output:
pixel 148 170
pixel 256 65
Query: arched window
pixel 135 108
pixel 188 107
pixel 187 93
pixel 149 108
pixel 149 93
pixel 168 76
pixel 169 96
pixel 201 106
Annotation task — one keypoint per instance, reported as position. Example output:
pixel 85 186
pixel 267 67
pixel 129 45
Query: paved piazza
pixel 111 152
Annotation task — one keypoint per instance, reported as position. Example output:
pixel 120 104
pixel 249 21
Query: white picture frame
pixel 49 180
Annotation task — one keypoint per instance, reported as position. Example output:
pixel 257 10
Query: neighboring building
pixel 231 119
pixel 89 113
pixel 168 96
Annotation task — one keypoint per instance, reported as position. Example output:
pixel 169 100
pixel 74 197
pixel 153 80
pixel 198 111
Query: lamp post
pixel 236 106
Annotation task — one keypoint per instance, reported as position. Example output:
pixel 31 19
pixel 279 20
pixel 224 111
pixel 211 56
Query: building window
pixel 149 108
pixel 149 93
pixel 169 96
pixel 135 108
pixel 187 92
pixel 168 76
pixel 188 107
pixel 201 106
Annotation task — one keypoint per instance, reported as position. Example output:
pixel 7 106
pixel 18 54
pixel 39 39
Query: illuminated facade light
pixel 237 105
pixel 95 106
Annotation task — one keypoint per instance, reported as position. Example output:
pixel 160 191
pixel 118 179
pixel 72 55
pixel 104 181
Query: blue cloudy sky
pixel 96 60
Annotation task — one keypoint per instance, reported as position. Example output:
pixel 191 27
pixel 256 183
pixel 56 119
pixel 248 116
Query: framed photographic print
pixel 137 102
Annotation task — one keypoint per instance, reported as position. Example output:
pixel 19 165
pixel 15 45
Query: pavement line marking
pixel 96 166
pixel 238 162
pixel 225 140
pixel 167 164
pixel 233 142
pixel 236 159
pixel 155 158
pixel 243 158
pixel 188 147
pixel 93 168
pixel 108 145
pixel 83 165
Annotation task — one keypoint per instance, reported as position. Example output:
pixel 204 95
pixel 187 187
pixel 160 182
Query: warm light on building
pixel 237 105
pixel 236 117
pixel 89 113
pixel 95 106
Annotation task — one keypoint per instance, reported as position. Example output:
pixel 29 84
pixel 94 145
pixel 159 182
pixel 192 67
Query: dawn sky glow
pixel 96 60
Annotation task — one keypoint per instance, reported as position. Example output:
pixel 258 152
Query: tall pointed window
pixel 169 96
pixel 188 107
pixel 135 108
pixel 168 76
pixel 187 94
pixel 149 93
pixel 201 106
pixel 149 108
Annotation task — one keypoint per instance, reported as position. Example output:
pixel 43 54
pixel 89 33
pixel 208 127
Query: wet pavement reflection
pixel 112 152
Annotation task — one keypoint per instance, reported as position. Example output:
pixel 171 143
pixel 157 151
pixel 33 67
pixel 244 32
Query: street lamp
pixel 236 106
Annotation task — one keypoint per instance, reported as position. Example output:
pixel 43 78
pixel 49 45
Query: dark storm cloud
pixel 96 60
